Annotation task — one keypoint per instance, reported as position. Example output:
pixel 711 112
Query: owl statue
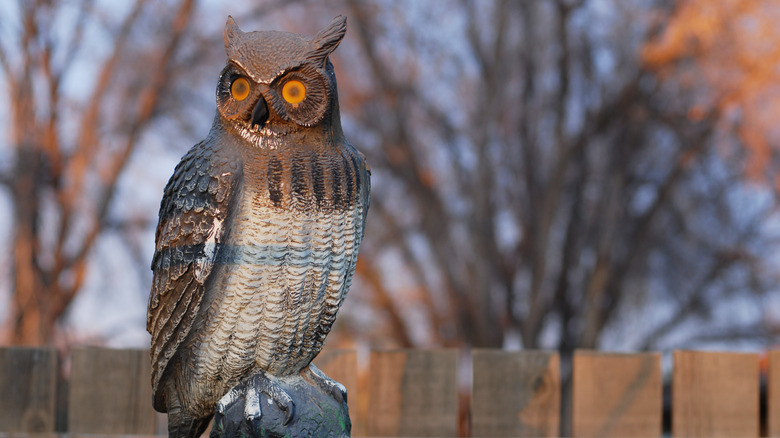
pixel 258 234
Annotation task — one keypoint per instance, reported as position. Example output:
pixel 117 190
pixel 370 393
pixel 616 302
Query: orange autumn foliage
pixel 727 55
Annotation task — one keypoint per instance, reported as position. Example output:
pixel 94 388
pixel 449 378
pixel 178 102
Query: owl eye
pixel 239 89
pixel 294 92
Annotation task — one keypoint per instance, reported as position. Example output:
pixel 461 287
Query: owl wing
pixel 365 188
pixel 192 224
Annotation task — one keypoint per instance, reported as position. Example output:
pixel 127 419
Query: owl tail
pixel 187 427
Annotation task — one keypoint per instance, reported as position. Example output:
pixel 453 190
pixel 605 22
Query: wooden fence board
pixel 515 394
pixel 110 392
pixel 413 393
pixel 616 394
pixel 28 389
pixel 715 394
pixel 341 366
pixel 773 394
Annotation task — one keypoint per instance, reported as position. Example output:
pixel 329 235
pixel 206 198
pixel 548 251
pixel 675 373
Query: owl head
pixel 278 83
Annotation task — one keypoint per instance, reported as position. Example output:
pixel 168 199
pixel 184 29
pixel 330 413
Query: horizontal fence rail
pixel 420 393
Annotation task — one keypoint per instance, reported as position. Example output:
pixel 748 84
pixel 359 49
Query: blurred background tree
pixel 554 174
pixel 565 174
pixel 82 85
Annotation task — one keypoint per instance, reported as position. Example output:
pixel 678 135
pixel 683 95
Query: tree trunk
pixel 28 319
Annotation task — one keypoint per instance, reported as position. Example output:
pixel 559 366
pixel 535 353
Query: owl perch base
pixel 317 413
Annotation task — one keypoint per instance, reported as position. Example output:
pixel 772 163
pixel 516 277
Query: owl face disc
pixel 277 83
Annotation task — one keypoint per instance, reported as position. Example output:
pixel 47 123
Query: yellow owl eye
pixel 240 89
pixel 293 92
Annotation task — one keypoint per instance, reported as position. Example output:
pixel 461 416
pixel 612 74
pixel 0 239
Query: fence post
pixel 110 392
pixel 413 393
pixel 515 393
pixel 616 394
pixel 715 394
pixel 773 394
pixel 28 389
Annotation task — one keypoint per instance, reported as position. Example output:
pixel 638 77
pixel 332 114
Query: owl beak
pixel 259 114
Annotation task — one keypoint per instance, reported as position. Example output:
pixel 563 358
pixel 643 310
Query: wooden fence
pixel 415 393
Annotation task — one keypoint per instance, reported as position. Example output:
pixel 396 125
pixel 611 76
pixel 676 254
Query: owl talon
pixel 262 383
pixel 250 391
pixel 252 411
pixel 315 376
pixel 227 400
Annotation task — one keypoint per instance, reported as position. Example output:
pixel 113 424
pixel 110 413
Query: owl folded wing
pixel 192 225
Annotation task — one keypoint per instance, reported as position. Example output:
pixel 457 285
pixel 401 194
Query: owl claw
pixel 262 383
pixel 252 411
pixel 250 390
pixel 227 400
pixel 316 377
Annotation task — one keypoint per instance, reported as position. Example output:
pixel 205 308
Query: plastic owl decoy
pixel 259 230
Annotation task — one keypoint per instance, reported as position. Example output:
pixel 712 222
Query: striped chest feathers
pixel 304 181
pixel 298 223
pixel 292 251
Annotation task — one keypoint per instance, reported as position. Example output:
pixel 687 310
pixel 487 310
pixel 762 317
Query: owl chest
pixel 287 248
pixel 279 252
pixel 286 271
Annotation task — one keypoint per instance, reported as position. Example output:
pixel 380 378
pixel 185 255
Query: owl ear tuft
pixel 231 32
pixel 328 39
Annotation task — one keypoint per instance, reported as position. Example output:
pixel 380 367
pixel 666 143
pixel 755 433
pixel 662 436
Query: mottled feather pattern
pixel 194 199
pixel 286 269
